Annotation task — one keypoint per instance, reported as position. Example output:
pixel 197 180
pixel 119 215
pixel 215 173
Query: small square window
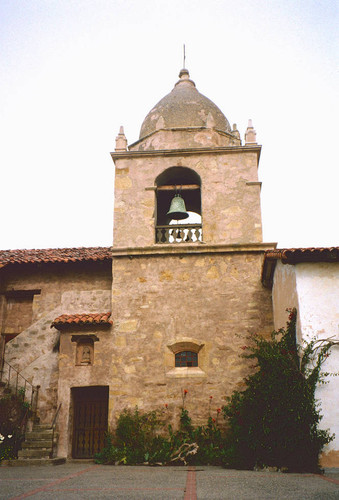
pixel 186 358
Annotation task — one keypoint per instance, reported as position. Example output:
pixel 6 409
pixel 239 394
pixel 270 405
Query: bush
pixel 135 439
pixel 14 412
pixel 140 438
pixel 274 421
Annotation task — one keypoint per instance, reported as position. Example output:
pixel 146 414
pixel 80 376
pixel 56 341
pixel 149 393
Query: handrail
pixel 56 415
pixel 17 387
pixel 53 427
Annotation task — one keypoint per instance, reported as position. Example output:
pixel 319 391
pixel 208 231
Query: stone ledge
pixel 186 372
pixel 191 248
pixel 187 151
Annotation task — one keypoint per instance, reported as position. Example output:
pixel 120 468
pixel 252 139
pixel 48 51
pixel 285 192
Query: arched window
pixel 186 358
pixel 186 183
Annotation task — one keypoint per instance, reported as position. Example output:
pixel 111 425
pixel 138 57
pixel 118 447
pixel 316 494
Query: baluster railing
pixel 178 233
pixel 19 386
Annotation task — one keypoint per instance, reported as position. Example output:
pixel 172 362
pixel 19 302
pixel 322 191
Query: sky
pixel 73 71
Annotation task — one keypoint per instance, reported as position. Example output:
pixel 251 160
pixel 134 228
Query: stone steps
pixel 41 443
pixel 21 462
pixel 37 447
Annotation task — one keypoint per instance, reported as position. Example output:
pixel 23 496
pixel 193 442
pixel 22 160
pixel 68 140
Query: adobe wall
pixel 318 292
pixel 213 299
pixel 65 288
pixel 285 296
pixel 230 206
pixel 313 288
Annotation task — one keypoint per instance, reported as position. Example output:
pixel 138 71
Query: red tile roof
pixel 82 319
pixel 54 255
pixel 295 256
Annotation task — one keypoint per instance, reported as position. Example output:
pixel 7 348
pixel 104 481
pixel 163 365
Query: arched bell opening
pixel 178 203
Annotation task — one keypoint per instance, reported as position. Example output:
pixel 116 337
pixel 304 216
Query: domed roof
pixel 184 107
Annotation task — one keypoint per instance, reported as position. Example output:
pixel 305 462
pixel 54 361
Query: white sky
pixel 73 71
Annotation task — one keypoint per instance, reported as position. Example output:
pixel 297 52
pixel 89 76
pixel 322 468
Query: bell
pixel 177 209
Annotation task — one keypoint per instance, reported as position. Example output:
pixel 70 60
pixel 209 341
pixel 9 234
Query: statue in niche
pixel 86 355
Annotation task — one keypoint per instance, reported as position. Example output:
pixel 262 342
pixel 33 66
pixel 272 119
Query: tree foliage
pixel 275 420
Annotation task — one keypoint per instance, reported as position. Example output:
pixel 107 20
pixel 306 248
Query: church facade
pixel 168 307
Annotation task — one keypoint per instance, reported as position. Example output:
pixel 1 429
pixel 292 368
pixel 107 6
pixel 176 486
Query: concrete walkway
pixel 91 481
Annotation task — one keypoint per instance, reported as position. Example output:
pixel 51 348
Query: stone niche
pixel 84 355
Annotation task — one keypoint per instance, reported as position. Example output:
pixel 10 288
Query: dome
pixel 184 107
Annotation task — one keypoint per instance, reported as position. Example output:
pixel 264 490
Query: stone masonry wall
pixel 230 196
pixel 214 299
pixel 65 289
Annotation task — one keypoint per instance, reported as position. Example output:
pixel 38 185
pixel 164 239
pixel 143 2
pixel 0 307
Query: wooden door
pixel 90 413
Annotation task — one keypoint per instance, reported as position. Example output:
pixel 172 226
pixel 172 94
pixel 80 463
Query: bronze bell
pixel 177 209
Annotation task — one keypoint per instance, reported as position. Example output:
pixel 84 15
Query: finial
pixel 235 132
pixel 184 58
pixel 185 79
pixel 250 134
pixel 121 141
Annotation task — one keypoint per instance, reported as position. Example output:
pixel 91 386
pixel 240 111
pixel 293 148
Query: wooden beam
pixel 184 187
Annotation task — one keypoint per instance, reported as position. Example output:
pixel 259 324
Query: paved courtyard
pixel 91 481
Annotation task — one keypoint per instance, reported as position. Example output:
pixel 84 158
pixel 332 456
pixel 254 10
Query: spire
pixel 250 134
pixel 121 141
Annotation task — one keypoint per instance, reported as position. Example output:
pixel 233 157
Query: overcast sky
pixel 73 71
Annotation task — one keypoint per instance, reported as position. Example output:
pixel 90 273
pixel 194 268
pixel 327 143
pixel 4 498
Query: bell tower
pixel 187 254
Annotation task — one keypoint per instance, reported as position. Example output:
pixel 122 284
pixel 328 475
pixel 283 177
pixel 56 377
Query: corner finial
pixel 250 134
pixel 121 141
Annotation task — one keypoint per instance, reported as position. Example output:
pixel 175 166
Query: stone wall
pixel 18 314
pixel 73 375
pixel 65 288
pixel 213 301
pixel 230 195
pixel 188 138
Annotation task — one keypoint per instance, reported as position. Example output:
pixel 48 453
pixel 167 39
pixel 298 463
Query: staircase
pixel 37 449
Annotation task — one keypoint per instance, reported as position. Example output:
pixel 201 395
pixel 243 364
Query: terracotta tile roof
pixel 82 319
pixel 295 256
pixel 54 255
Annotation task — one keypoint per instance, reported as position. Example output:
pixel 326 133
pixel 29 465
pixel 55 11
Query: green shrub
pixel 141 438
pixel 274 421
pixel 136 440
pixel 14 412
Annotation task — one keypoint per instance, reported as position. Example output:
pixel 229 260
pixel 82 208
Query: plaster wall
pixel 313 288
pixel 230 196
pixel 285 296
pixel 318 291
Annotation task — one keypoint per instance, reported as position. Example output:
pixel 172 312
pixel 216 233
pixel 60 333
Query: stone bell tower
pixel 186 287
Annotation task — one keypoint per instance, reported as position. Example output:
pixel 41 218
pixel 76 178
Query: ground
pixel 86 480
